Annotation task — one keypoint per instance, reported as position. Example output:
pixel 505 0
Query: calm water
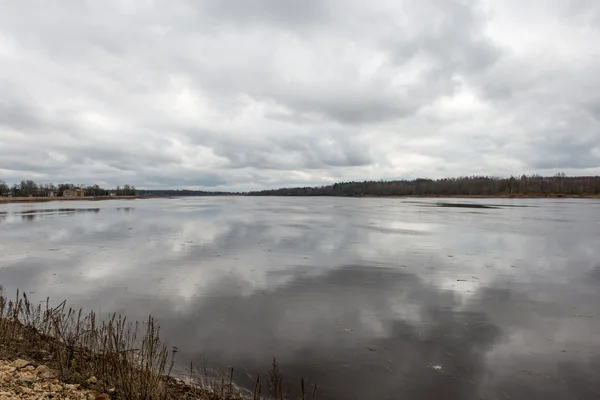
pixel 371 298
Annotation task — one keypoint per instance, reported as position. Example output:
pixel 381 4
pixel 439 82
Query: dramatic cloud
pixel 266 93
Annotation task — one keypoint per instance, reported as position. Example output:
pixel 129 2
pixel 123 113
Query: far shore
pixel 8 200
pixel 483 196
pixel 4 200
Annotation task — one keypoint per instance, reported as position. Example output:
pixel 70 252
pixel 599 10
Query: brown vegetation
pixel 127 360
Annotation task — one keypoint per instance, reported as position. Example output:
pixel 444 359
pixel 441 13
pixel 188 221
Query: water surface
pixel 371 298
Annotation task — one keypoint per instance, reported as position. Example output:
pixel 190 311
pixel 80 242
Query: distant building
pixel 75 192
pixel 112 194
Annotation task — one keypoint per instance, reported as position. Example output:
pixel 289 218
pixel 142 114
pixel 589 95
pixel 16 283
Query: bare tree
pixel 4 189
pixel 29 188
pixel 534 185
pixel 15 191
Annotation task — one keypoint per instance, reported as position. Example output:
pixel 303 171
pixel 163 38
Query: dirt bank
pixel 58 352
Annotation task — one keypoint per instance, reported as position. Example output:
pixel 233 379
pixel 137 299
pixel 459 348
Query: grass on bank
pixel 127 359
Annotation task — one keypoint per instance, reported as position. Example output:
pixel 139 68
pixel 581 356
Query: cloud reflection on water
pixel 342 292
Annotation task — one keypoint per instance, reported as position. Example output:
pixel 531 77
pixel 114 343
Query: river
pixel 370 298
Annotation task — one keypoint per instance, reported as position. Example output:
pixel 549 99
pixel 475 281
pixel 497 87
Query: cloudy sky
pixel 248 94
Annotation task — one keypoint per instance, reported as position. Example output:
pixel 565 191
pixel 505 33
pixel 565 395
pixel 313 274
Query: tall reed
pixel 126 358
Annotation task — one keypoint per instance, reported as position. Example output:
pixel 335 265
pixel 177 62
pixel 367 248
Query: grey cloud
pixel 453 35
pixel 207 179
pixel 575 145
pixel 17 116
pixel 327 150
pixel 287 151
pixel 456 45
pixel 593 107
pixel 280 13
pixel 566 155
pixel 584 11
pixel 349 107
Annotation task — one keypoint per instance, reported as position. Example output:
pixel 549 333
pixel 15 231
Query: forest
pixel 534 185
pixel 29 188
pixel 181 193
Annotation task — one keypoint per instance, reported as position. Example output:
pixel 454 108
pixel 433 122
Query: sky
pixel 252 94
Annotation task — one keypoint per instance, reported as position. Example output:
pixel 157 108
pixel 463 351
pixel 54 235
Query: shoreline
pixel 15 200
pixel 482 196
pixel 9 200
pixel 46 350
pixel 449 196
pixel 93 358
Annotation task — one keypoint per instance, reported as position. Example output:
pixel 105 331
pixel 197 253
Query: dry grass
pixel 127 359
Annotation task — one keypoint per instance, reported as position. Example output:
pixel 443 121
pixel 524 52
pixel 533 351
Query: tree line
pixel 534 185
pixel 182 193
pixel 29 188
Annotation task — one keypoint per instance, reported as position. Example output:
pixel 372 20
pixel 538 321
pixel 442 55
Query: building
pixel 75 192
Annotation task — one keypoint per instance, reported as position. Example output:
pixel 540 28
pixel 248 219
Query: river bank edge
pixel 507 196
pixel 13 200
pixel 10 200
pixel 100 359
